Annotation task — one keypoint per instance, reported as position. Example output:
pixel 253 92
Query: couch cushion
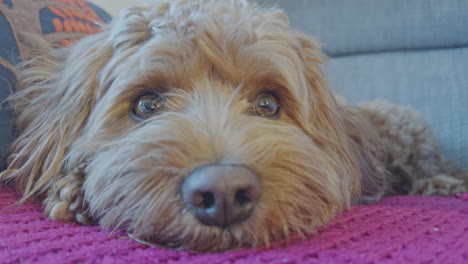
pixel 60 22
pixel 350 27
pixel 433 82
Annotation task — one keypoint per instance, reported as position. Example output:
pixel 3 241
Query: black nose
pixel 221 195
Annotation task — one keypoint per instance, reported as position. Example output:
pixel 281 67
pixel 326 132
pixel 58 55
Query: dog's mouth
pixel 220 197
pixel 168 246
pixel 147 243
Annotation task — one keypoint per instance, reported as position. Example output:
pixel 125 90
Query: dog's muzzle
pixel 221 195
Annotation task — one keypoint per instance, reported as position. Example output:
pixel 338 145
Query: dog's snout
pixel 221 195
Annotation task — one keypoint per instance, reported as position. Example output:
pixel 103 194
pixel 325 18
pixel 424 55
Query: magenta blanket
pixel 396 230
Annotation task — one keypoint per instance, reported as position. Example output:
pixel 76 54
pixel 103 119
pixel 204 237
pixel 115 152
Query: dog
pixel 208 125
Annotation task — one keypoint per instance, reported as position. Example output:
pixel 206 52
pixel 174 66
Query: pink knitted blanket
pixel 396 230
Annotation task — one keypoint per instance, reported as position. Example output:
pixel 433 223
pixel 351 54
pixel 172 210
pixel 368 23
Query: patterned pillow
pixel 59 21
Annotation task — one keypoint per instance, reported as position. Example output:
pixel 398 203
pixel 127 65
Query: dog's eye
pixel 148 105
pixel 266 105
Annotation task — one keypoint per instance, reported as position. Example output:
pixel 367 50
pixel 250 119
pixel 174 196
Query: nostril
pixel 242 197
pixel 208 200
pixel 221 195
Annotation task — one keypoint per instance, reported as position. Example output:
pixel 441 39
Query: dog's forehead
pixel 232 40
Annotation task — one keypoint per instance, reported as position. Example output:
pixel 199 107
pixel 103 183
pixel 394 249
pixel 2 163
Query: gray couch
pixel 411 52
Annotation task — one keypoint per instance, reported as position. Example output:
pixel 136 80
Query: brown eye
pixel 148 105
pixel 266 105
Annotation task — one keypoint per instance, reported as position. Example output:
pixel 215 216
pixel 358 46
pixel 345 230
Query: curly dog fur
pixel 89 160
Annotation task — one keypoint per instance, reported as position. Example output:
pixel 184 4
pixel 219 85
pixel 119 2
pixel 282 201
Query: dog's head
pixel 202 124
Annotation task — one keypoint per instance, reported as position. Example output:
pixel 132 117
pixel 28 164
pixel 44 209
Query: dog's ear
pixel 55 98
pixel 344 132
pixel 367 151
pixel 59 89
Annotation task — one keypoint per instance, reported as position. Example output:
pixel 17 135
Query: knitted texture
pixel 396 230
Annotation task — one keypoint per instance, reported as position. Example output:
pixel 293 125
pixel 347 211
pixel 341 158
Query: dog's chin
pixel 133 183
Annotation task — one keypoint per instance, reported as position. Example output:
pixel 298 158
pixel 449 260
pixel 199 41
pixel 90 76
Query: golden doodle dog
pixel 208 125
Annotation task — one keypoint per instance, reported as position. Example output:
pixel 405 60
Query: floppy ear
pixel 55 98
pixel 369 153
pixel 59 89
pixel 342 131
